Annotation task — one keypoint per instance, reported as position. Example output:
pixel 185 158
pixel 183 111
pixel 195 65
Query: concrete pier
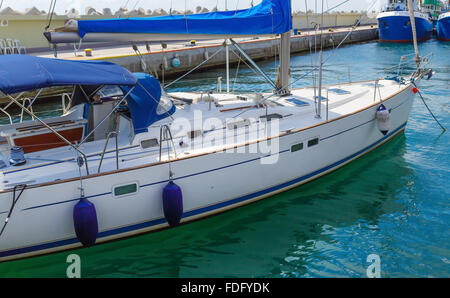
pixel 160 59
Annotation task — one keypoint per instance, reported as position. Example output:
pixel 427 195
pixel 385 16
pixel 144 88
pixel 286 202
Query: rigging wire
pixel 124 7
pixel 126 4
pixel 329 56
pixel 306 9
pixel 51 11
pixel 22 186
pixel 245 62
pixel 237 71
pixel 195 68
pixel 336 6
pixel 137 2
pixel 1 4
pixel 423 100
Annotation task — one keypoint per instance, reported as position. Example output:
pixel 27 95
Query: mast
pixel 413 26
pixel 227 58
pixel 284 74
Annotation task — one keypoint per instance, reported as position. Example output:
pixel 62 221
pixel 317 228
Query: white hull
pixel 211 183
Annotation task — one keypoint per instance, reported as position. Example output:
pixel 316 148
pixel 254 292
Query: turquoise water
pixel 393 202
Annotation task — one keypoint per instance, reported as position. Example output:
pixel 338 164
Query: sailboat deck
pixel 295 112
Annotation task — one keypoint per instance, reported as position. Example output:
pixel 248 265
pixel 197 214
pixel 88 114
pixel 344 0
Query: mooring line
pixel 423 100
pixel 23 186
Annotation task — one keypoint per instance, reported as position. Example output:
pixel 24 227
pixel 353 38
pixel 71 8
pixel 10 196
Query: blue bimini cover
pixel 143 102
pixel 269 17
pixel 20 73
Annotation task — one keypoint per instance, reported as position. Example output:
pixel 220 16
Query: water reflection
pixel 392 202
pixel 307 231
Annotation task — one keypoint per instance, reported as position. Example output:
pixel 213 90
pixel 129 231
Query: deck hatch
pixel 339 91
pixel 297 102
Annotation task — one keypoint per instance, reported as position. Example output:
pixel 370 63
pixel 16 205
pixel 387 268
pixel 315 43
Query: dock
pixel 160 60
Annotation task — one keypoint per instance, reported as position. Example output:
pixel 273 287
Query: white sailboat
pixel 147 160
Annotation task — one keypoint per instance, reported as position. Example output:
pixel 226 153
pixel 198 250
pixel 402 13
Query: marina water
pixel 394 202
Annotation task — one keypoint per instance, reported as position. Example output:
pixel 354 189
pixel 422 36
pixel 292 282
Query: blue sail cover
pixel 143 102
pixel 20 73
pixel 269 17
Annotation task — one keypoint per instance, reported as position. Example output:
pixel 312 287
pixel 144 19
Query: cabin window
pixel 194 133
pixel 165 104
pixel 110 91
pixel 124 190
pixel 313 142
pixel 296 147
pixel 149 143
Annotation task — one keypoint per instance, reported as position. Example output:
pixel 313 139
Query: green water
pixel 393 202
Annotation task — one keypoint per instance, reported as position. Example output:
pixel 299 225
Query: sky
pixel 80 5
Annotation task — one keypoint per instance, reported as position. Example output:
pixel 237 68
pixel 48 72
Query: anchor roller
pixel 85 222
pixel 172 203
pixel 383 119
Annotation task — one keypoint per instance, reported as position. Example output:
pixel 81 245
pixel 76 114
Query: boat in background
pixel 433 8
pixel 394 23
pixel 443 25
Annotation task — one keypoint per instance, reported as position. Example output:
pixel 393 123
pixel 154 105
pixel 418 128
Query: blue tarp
pixel 20 73
pixel 143 102
pixel 269 17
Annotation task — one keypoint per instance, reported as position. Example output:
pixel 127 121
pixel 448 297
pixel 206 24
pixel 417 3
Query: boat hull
pixel 211 183
pixel 395 27
pixel 443 27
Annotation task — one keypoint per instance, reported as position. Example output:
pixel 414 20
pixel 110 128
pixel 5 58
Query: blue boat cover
pixel 269 17
pixel 20 73
pixel 143 102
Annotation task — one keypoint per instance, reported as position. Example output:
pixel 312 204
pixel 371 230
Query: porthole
pixel 296 147
pixel 125 190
